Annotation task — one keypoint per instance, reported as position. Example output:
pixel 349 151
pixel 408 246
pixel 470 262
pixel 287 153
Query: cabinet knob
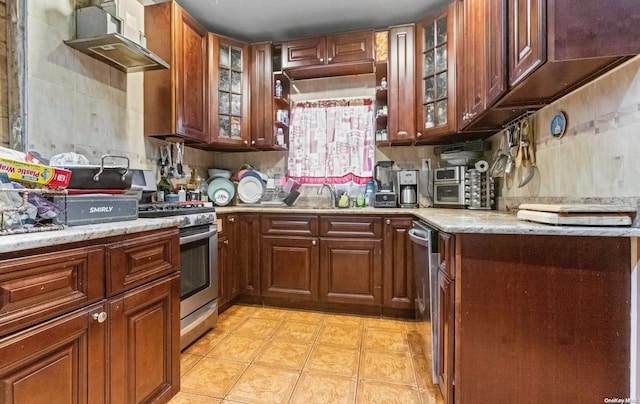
pixel 100 317
pixel 467 116
pixel 253 142
pixel 246 142
pixel 226 242
pixel 329 60
pixel 314 242
pixel 403 133
pixel 418 134
pixel 321 60
pixel 232 219
pixel 388 221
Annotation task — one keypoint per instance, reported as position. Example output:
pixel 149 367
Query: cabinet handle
pixel 388 221
pixel 232 219
pixel 403 133
pixel 313 242
pixel 101 317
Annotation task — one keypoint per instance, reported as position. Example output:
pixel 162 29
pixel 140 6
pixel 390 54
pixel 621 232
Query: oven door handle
pixel 197 237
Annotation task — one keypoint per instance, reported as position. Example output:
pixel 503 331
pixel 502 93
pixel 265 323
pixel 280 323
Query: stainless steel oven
pixel 198 265
pixel 198 281
pixel 449 186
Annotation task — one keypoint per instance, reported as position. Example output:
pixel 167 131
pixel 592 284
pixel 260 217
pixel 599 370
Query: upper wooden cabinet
pixel 175 100
pixel 436 73
pixel 401 93
pixel 229 100
pixel 481 56
pixel 335 55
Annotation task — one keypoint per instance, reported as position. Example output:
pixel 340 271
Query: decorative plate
pixel 220 183
pixel 250 189
pixel 221 197
pixel 558 125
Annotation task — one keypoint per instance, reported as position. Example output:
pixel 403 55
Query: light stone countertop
pixel 457 220
pixel 15 242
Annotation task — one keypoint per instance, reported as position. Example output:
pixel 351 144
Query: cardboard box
pixel 52 177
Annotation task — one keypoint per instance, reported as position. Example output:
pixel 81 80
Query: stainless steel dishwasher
pixel 425 254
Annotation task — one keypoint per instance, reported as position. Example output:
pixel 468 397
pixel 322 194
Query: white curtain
pixel 332 141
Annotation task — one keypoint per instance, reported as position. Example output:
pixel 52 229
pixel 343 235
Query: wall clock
pixel 558 125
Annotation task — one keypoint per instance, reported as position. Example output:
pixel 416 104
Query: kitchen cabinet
pixel 248 255
pixel 436 76
pixel 398 264
pixel 229 112
pixel 265 103
pixel 341 54
pixel 351 259
pixel 290 267
pixel 227 260
pixel 480 57
pixel 101 321
pixel 176 99
pixel 446 315
pixel 401 82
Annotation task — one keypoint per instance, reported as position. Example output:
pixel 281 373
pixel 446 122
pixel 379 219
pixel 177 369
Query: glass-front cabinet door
pixel 229 91
pixel 436 72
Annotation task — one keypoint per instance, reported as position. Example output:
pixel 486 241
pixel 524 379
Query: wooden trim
pixel 16 73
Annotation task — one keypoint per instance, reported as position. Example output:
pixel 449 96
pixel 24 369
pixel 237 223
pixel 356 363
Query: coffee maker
pixel 385 196
pixel 408 188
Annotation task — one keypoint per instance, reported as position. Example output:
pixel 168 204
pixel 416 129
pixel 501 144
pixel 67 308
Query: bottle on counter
pixel 182 195
pixel 163 188
pixel 280 137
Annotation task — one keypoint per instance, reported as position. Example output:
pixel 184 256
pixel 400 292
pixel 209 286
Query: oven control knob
pixel 184 221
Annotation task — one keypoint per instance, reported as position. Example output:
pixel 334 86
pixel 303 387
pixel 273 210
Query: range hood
pixel 99 35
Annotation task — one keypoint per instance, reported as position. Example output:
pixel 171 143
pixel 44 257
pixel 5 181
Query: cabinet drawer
pixel 447 248
pixel 291 225
pixel 138 260
pixel 351 226
pixel 39 287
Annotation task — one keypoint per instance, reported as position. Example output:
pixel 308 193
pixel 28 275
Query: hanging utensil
pixel 499 160
pixel 530 172
pixel 508 167
pixel 180 153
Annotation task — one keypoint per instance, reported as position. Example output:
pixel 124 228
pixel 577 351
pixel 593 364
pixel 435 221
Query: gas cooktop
pixel 165 209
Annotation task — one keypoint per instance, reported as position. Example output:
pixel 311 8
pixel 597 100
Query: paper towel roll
pixel 482 166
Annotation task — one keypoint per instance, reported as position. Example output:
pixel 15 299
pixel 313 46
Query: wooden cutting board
pixel 577 219
pixel 577 208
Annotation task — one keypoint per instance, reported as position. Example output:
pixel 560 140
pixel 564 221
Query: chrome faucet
pixel 332 193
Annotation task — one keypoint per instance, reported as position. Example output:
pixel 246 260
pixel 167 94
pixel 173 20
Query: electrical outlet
pixel 426 164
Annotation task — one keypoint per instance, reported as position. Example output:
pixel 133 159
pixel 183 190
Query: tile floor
pixel 271 355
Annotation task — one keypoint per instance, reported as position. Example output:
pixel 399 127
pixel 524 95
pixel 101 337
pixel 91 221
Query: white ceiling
pixel 277 20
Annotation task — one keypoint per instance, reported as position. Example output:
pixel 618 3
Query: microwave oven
pixel 449 194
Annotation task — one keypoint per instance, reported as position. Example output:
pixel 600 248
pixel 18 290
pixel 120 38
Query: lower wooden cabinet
pixel 59 361
pixel 227 260
pixel 290 267
pixel 87 345
pixel 351 271
pixel 398 265
pixel 446 335
pixel 144 332
pixel 248 254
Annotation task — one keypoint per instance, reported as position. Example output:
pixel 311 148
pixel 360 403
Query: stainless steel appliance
pixel 198 264
pixel 425 254
pixel 385 196
pixel 449 186
pixel 479 192
pixel 408 188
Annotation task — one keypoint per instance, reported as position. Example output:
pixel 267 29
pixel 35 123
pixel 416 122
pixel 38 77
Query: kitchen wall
pixel 597 159
pixel 76 103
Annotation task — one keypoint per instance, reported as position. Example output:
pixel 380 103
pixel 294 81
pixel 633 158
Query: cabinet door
pixel 303 52
pixel 58 362
pixel 398 264
pixel 262 91
pixel 446 336
pixel 290 267
pixel 471 60
pixel 401 82
pixel 351 271
pixel 229 112
pixel 527 38
pixel 350 47
pixel 496 48
pixel 224 295
pixel 248 253
pixel 144 345
pixel 191 80
pixel 447 249
pixel 435 68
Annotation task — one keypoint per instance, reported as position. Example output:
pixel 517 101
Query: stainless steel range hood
pixel 99 35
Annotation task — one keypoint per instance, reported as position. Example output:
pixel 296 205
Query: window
pixel 332 141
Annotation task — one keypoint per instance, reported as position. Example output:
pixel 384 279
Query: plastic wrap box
pixel 98 208
pixel 53 177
